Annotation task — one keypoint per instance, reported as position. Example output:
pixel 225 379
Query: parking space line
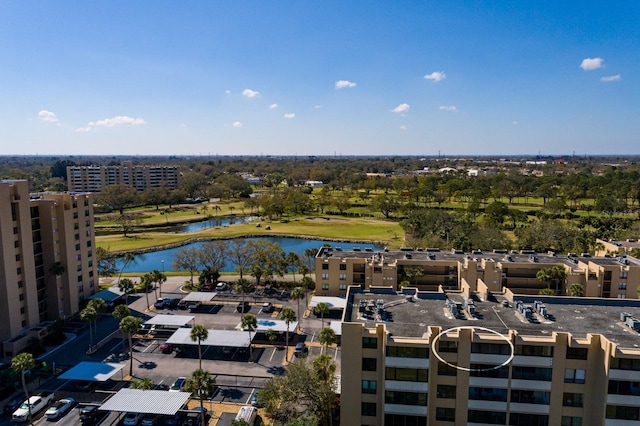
pixel 151 343
pixel 273 353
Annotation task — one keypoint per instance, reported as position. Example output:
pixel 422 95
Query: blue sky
pixel 319 78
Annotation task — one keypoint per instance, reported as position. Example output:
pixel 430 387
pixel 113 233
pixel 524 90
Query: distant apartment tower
pixel 94 178
pixel 47 263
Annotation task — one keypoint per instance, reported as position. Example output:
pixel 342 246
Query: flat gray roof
pixel 336 326
pixel 146 401
pixel 275 325
pixel 92 371
pixel 108 295
pixel 332 301
pixel 174 320
pixel 229 338
pixel 200 296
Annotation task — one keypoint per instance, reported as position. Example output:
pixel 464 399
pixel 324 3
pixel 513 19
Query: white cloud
pixel 183 125
pixel 250 93
pixel 317 107
pixel 403 127
pixel 436 76
pixel 590 64
pixel 449 108
pixel 401 108
pixel 47 116
pixel 118 120
pixel 515 123
pixel 344 84
pixel 237 124
pixel 610 78
pixel 227 91
pixel 83 129
pixel 289 115
pixel 273 106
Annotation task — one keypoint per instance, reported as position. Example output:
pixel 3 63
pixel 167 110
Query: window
pixel 21 297
pixel 325 276
pixel 446 391
pixel 572 399
pixel 622 412
pixel 404 420
pixel 487 417
pixel 531 350
pixel 342 286
pixel 18 257
pixel 368 409
pixel 77 247
pixel 407 374
pixel 325 286
pixel 20 284
pixel 369 364
pixel 80 289
pixel 88 243
pixel 446 370
pixel 405 398
pixel 622 286
pixel 343 277
pixel 407 352
pixel 623 387
pixel 623 274
pixel 325 266
pixel 488 394
pixel 531 373
pixel 369 386
pixel 343 266
pixel 447 346
pixel 15 230
pixel 518 419
pixel 490 348
pixel 530 396
pixel 16 244
pixel 577 353
pixel 446 414
pixel 571 421
pixel 19 271
pixel 22 310
pixel 370 342
pixel 572 375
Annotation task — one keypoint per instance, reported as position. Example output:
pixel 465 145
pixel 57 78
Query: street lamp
pixel 163 266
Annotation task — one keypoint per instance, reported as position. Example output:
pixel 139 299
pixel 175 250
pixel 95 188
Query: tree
pixel 546 292
pixel 20 364
pixel 321 309
pixel 128 222
pixel 293 262
pixel 272 335
pixel 127 258
pixel 288 315
pixel 250 324
pixel 119 313
pixel 159 278
pixel 118 196
pixel 576 290
pixel 386 204
pixel 130 325
pixel 147 283
pixel 240 422
pixel 106 262
pixel 297 294
pixel 187 259
pixel 544 276
pixel 144 384
pixel 127 287
pixel 199 333
pixel 310 254
pixel 202 384
pixel 327 337
pixel 212 257
pixel 267 259
pixel 89 315
pixel 413 273
pixel 239 254
pixel 242 286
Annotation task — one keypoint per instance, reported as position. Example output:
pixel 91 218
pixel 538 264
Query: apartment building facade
pixel 601 276
pixel 47 262
pixel 141 177
pixel 428 358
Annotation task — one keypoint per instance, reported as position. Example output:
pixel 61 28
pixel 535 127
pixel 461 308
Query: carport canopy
pixel 171 320
pixel 334 303
pixel 275 325
pixel 336 326
pixel 228 338
pixel 200 296
pixel 109 295
pixel 92 371
pixel 146 401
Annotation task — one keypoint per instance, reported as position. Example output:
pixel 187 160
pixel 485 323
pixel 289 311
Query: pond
pixel 162 260
pixel 212 223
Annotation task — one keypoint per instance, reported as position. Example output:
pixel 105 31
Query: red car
pixel 166 348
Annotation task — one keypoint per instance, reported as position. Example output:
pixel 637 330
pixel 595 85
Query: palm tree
pixel 272 335
pixel 202 384
pixel 242 287
pixel 576 290
pixel 127 258
pixel 293 261
pixel 158 277
pixel 327 337
pixel 310 253
pixel 325 370
pixel 144 384
pixel 119 313
pixel 147 282
pixel 321 309
pixel 20 364
pixel 288 315
pixel 89 315
pixel 199 333
pixel 99 306
pixel 127 287
pixel 558 275
pixel 250 324
pixel 297 294
pixel 544 276
pixel 129 325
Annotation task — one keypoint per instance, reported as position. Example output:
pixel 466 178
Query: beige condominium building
pixel 454 358
pixel 610 276
pixel 47 262
pixel 141 177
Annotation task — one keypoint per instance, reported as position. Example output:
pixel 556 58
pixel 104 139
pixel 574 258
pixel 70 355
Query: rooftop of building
pixel 407 315
pixel 341 251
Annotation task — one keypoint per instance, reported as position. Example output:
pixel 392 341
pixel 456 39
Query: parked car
pixel 243 307
pixel 149 420
pixel 193 306
pixel 166 348
pixel 89 414
pixel 173 303
pixel 178 385
pixel 132 419
pixel 222 286
pixel 174 420
pixel 161 303
pixel 59 408
pixel 301 350
pixel 14 402
pixel 267 307
pixel 193 419
pixel 182 304
pixel 283 295
pixel 33 405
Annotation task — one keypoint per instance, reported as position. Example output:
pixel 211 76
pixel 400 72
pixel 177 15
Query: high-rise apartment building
pixel 141 177
pixel 47 262
pixel 453 358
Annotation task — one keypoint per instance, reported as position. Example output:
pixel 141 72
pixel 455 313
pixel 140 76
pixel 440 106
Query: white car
pixel 33 405
pixel 178 385
pixel 59 408
pixel 132 419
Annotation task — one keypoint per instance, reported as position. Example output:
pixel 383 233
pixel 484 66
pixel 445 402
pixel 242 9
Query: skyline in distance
pixel 272 78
